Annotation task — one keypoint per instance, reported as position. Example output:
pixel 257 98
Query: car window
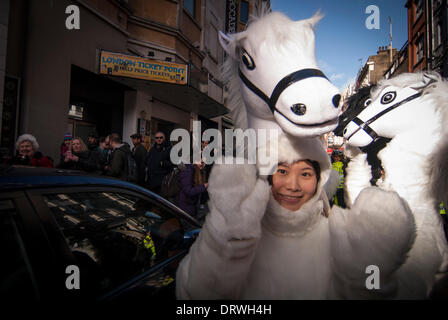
pixel 115 236
pixel 16 279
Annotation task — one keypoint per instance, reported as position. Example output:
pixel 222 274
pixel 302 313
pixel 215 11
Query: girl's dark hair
pixel 316 168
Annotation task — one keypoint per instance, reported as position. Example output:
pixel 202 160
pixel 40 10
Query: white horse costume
pixel 411 109
pixel 252 248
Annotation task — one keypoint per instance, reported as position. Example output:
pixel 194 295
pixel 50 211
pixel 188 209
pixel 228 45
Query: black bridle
pixel 281 85
pixel 365 125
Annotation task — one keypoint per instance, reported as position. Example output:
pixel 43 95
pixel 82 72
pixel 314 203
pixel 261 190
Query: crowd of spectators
pixel 113 157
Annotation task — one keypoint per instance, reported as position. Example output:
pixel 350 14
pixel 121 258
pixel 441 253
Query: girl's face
pixel 76 145
pixel 293 185
pixel 67 142
pixel 26 149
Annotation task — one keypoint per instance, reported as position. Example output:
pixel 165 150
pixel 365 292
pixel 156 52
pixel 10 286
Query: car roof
pixel 27 177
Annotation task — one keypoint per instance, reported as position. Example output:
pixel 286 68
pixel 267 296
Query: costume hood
pixel 287 148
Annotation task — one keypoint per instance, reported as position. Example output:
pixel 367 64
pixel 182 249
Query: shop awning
pixel 184 97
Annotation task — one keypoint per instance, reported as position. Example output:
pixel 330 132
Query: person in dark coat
pixel 28 154
pixel 139 153
pixel 193 183
pixel 92 141
pixel 79 157
pixel 118 159
pixel 158 163
pixel 102 154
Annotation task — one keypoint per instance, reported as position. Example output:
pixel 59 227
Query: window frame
pixel 418 9
pixel 420 40
pixel 54 231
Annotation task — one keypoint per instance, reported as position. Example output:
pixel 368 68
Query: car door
pixel 27 270
pixel 123 243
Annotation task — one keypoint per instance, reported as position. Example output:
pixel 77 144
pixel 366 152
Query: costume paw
pixel 240 199
pixel 385 221
pixel 230 184
pixel 358 175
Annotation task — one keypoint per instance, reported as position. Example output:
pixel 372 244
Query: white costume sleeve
pixel 369 243
pixel 358 174
pixel 218 262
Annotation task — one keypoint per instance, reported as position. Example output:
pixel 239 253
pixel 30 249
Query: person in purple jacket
pixel 193 182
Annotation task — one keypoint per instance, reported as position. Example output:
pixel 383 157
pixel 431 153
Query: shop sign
pixel 116 64
pixel 231 16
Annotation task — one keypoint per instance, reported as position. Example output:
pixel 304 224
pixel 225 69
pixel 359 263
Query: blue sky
pixel 342 38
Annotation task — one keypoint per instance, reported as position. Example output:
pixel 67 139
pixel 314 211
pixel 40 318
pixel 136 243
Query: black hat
pixel 136 136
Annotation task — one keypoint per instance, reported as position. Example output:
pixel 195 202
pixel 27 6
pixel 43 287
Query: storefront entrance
pixel 96 104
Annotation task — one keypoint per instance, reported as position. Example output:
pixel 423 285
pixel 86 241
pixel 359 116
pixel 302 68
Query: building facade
pixel 375 67
pixel 90 65
pixel 427 35
pixel 400 63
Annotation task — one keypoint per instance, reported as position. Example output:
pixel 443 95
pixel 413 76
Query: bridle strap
pixel 253 88
pixel 291 79
pixel 365 125
pixel 281 85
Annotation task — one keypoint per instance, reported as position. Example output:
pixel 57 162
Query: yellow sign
pixel 142 68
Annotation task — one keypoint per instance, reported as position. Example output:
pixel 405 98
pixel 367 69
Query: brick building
pixel 375 67
pixel 427 35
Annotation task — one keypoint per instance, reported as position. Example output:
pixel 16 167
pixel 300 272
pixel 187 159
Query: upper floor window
pixel 244 15
pixel 419 50
pixel 418 9
pixel 438 34
pixel 190 6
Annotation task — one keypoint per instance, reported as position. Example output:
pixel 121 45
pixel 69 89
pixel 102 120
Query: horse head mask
pixel 272 67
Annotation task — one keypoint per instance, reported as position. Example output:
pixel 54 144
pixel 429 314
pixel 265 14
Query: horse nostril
pixel 299 109
pixel 336 100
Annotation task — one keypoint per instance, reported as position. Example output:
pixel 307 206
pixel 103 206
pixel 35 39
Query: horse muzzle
pixel 283 84
pixel 300 108
pixel 356 136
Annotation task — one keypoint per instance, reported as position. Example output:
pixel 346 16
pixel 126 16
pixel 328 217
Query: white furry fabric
pixel 357 176
pixel 332 184
pixel 252 248
pixel 278 46
pixel 416 168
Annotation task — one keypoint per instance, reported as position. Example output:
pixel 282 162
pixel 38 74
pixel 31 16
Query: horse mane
pixel 435 95
pixel 354 105
pixel 274 28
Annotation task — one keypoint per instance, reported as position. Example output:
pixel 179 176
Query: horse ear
pixel 428 78
pixel 314 20
pixel 227 42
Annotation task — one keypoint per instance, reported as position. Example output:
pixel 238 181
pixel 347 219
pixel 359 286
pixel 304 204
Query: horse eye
pixel 248 61
pixel 367 102
pixel 388 97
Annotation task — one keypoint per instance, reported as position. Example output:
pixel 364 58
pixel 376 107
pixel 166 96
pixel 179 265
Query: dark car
pixel 67 235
